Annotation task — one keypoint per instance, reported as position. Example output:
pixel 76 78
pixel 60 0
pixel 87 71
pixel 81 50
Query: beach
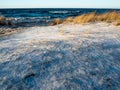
pixel 61 57
pixel 59 49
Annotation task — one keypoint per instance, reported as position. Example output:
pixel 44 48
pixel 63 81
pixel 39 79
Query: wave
pixel 59 12
pixel 76 12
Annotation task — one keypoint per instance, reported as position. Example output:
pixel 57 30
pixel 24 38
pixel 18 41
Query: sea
pixel 44 16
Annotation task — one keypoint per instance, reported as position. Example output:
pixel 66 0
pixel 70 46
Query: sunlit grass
pixel 2 20
pixel 58 21
pixel 110 17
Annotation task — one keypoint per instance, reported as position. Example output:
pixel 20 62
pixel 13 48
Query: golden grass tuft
pixel 85 18
pixel 2 20
pixel 57 21
pixel 69 19
pixel 117 24
pixel 109 17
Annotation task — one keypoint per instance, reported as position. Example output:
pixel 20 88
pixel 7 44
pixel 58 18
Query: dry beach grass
pixel 2 20
pixel 110 17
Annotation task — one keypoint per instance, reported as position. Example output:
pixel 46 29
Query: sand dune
pixel 61 57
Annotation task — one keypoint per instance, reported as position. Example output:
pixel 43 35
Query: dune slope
pixel 61 57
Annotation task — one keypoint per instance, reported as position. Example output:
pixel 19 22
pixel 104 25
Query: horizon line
pixel 56 8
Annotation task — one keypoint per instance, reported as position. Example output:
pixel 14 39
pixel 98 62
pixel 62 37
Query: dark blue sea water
pixel 30 17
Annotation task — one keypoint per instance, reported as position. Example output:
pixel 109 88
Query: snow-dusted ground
pixel 61 57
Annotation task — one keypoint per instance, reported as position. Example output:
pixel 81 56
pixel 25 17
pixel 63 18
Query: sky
pixel 60 4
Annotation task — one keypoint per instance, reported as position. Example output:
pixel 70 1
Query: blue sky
pixel 59 3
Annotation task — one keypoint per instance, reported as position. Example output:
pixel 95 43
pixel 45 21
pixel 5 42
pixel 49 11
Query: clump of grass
pixel 5 21
pixel 57 21
pixel 94 17
pixel 109 17
pixel 69 19
pixel 2 20
pixel 85 18
pixel 117 23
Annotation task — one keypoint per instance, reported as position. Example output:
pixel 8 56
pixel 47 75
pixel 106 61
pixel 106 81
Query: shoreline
pixel 4 31
pixel 10 26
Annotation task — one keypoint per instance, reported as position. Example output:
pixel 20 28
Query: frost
pixel 82 57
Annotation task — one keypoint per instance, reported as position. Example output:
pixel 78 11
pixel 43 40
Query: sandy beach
pixel 61 57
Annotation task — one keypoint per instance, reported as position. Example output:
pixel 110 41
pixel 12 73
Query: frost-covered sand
pixel 61 57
